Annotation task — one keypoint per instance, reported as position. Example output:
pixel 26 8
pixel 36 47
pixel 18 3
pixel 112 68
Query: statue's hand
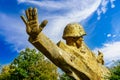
pixel 33 28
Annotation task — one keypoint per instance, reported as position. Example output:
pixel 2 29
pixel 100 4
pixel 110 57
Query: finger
pixel 27 14
pixel 35 15
pixel 30 13
pixel 43 24
pixel 24 20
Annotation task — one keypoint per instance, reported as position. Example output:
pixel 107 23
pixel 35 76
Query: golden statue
pixel 74 57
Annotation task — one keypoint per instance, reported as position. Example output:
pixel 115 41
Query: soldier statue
pixel 74 57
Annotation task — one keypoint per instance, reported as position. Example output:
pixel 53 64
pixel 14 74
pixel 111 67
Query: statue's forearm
pixel 47 47
pixel 59 57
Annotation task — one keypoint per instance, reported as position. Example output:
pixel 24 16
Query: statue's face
pixel 74 41
pixel 79 42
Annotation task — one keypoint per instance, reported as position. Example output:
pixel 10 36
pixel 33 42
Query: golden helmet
pixel 73 30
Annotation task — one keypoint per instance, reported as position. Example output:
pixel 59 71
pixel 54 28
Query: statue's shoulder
pixel 61 44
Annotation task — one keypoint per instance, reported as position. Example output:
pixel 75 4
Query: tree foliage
pixel 115 72
pixel 29 65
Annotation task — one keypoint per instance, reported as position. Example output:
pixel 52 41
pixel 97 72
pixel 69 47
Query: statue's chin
pixel 78 45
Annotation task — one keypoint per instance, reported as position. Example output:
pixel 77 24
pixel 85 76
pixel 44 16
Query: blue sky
pixel 100 19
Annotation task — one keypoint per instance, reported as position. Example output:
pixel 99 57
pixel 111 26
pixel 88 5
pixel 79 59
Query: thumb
pixel 43 24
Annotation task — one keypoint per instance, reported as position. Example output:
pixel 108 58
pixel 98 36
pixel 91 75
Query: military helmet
pixel 73 30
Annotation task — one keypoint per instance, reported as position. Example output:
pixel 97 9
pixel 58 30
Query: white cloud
pixel 112 3
pixel 115 27
pixel 114 36
pixel 111 52
pixel 99 13
pixel 104 7
pixel 73 11
pixel 63 4
pixel 46 4
pixel 14 32
pixel 20 1
pixel 109 35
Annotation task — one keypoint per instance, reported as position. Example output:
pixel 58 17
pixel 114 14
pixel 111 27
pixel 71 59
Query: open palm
pixel 33 28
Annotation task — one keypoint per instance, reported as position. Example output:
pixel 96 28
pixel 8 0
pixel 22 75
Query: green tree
pixel 115 71
pixel 5 73
pixel 30 65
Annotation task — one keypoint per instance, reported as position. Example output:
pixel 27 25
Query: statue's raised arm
pixel 74 57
